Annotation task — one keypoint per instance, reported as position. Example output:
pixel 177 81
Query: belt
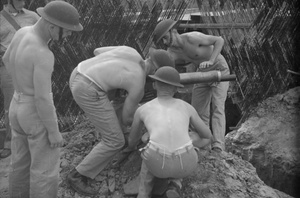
pixel 20 97
pixel 87 80
pixel 166 152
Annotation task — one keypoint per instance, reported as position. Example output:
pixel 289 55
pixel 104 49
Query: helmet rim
pixel 41 12
pixel 170 26
pixel 166 71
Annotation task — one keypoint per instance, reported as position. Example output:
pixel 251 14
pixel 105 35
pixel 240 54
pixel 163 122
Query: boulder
pixel 269 139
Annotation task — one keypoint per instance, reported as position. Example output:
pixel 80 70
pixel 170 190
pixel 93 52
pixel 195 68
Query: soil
pixel 218 174
pixel 269 139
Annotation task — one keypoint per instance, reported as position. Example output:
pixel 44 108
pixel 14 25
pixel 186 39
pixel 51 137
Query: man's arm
pixel 43 68
pixel 101 50
pixel 135 132
pixel 208 40
pixel 135 95
pixel 201 128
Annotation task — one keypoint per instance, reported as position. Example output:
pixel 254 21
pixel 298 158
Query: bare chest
pixel 192 53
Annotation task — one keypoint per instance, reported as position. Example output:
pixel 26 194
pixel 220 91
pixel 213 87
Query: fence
pixel 106 23
pixel 261 38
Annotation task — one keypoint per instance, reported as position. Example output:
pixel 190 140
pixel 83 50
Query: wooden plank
pixel 216 26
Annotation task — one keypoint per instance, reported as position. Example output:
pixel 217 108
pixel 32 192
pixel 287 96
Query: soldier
pixel 35 134
pixel 113 67
pixel 12 17
pixel 202 52
pixel 170 152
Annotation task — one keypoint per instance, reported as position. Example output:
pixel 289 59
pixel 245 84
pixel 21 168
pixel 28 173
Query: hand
pixel 55 140
pixel 128 150
pixel 205 64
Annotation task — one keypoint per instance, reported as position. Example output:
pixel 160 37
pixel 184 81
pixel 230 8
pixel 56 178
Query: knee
pixel 118 143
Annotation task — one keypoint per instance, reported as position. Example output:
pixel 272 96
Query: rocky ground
pixel 269 139
pixel 224 175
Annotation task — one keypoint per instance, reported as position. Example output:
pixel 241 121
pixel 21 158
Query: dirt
pixel 4 167
pixel 269 139
pixel 218 175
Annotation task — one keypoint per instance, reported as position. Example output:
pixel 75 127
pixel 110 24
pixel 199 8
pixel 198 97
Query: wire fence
pixel 261 43
pixel 106 23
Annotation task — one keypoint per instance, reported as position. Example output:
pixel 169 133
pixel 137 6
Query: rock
pixel 269 140
pixel 227 175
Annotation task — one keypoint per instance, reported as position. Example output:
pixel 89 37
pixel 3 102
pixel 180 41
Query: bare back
pixel 30 63
pixel 167 121
pixel 119 68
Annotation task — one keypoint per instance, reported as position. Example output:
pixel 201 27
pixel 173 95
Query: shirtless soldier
pixel 202 53
pixel 113 67
pixel 23 17
pixel 170 151
pixel 35 135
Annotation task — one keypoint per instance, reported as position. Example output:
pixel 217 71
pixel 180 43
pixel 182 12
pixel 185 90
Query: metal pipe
pixel 201 77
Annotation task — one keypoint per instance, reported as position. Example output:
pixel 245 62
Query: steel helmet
pixel 162 28
pixel 161 57
pixel 168 75
pixel 62 14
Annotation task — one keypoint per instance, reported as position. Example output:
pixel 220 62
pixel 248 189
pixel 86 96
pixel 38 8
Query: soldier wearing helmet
pixel 23 17
pixel 170 151
pixel 200 52
pixel 36 139
pixel 113 67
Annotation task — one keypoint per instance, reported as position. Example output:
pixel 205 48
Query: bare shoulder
pixel 148 106
pixel 128 51
pixel 185 105
pixel 42 55
pixel 192 37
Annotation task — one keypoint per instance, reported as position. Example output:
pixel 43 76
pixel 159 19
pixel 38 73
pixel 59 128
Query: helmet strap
pixel 171 38
pixel 60 33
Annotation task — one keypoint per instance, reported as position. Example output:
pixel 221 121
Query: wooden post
pixel 215 25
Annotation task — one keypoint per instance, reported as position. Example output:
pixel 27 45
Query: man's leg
pixel 103 116
pixel 32 152
pixel 97 107
pixel 44 176
pixel 218 114
pixel 146 182
pixel 19 177
pixel 201 99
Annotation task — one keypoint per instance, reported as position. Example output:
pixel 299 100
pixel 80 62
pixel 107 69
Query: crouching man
pixel 170 152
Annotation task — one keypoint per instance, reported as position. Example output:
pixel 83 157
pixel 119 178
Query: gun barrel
pixel 200 77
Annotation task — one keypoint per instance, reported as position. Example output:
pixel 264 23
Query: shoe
pixel 173 190
pixel 79 183
pixel 5 153
pixel 217 149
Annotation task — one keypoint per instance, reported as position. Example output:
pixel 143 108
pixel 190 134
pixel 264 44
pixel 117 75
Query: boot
pixel 173 190
pixel 79 183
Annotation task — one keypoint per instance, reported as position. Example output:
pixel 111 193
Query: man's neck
pixel 177 42
pixel 165 94
pixel 40 28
